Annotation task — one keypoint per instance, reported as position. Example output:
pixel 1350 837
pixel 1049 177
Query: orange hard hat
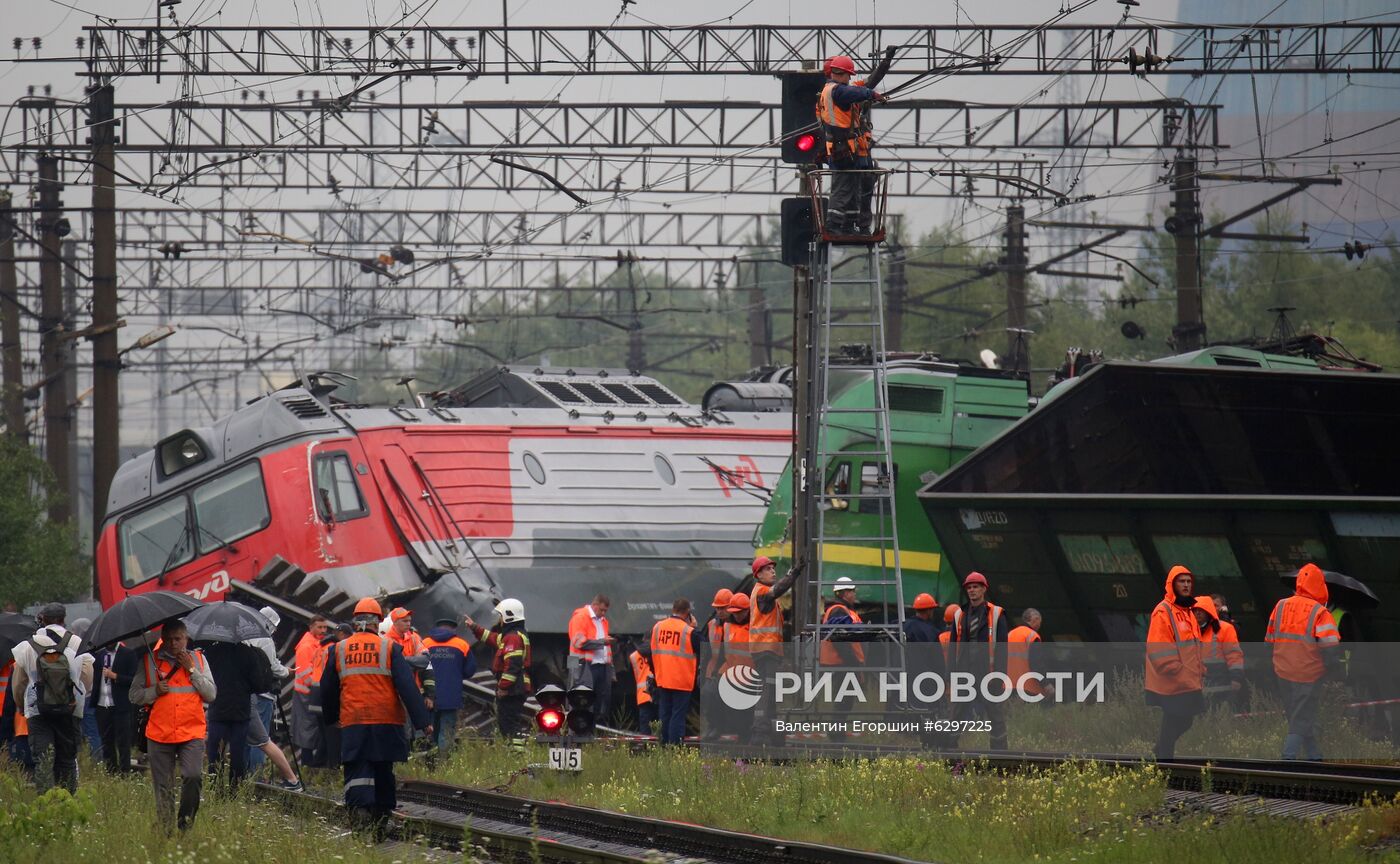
pixel 722 598
pixel 925 601
pixel 841 61
pixel 368 606
pixel 400 613
pixel 950 611
pixel 760 562
pixel 739 602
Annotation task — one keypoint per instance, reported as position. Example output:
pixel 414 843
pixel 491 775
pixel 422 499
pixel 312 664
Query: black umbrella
pixel 137 614
pixel 227 621
pixel 14 629
pixel 1344 591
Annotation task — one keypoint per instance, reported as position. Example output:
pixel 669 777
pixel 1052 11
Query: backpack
pixel 53 678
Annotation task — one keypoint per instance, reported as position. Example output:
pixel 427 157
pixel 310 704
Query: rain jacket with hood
pixel 1301 628
pixel 1174 661
pixel 1220 644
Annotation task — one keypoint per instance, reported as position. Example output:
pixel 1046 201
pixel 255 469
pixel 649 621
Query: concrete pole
pixel 1015 267
pixel 11 358
pixel 52 348
pixel 1190 330
pixel 106 361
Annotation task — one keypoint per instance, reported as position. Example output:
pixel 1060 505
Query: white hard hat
pixel 385 626
pixel 845 583
pixel 510 610
pixel 271 615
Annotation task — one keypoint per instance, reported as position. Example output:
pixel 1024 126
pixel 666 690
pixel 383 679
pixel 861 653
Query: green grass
pixel 113 821
pixel 921 809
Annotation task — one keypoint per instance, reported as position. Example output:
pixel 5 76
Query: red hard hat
pixel 925 601
pixel 841 61
pixel 760 562
pixel 368 606
pixel 739 602
pixel 722 597
pixel 975 578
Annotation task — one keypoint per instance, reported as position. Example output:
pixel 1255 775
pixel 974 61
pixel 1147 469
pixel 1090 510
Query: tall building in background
pixel 1305 120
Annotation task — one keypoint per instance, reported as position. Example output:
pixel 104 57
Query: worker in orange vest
pixel 1019 654
pixel 712 656
pixel 675 653
pixel 843 114
pixel 714 632
pixel 950 614
pixel 307 664
pixel 639 658
pixel 720 718
pixel 1306 642
pixel 1227 635
pixel 590 652
pixel 1220 652
pixel 766 640
pixel 177 685
pixel 1175 671
pixel 979 647
pixel 841 648
pixel 368 689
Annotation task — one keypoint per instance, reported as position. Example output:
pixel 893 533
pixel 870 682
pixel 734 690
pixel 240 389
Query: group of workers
pixel 1190 642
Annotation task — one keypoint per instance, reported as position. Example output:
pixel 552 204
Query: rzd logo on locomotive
pixel 217 584
pixel 745 474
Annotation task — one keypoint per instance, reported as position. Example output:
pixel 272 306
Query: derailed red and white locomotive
pixel 547 485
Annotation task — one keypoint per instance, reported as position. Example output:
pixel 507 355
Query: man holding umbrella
pixel 176 683
pixel 240 672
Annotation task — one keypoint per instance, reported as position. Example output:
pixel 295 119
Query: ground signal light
pixel 582 723
pixel 799 117
pixel 551 716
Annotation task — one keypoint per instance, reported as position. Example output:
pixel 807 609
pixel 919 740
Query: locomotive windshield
pixel 228 507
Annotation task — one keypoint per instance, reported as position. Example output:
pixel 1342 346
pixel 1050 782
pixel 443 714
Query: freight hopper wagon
pixel 1242 474
pixel 544 485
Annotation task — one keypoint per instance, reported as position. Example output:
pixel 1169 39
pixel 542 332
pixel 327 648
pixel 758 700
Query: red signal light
pixel 805 142
pixel 549 720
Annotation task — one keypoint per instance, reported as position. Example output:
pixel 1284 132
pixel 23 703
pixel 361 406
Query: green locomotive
pixel 940 411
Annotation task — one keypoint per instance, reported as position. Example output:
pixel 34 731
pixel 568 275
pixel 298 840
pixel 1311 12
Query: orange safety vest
pixel 838 124
pixel 410 643
pixel 945 639
pixel 1018 656
pixel 641 670
pixel 367 693
pixel 993 618
pixel 736 646
pixel 178 715
pixel 1222 646
pixel 581 630
pixel 1298 627
pixel 304 661
pixel 829 655
pixel 765 629
pixel 672 655
pixel 715 630
pixel 1174 662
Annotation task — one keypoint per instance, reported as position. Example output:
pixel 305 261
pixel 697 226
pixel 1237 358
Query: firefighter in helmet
pixel 368 689
pixel 511 665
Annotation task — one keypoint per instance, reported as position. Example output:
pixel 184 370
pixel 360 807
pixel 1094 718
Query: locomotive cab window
pixel 230 507
pixel 338 496
pixel 155 539
pixel 874 481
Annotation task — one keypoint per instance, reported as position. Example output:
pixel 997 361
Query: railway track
pixel 510 828
pixel 1338 783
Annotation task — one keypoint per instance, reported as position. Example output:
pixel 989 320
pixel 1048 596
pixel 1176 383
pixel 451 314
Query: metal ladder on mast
pixel 863 290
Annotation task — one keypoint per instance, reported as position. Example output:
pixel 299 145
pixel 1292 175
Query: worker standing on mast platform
pixel 844 114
